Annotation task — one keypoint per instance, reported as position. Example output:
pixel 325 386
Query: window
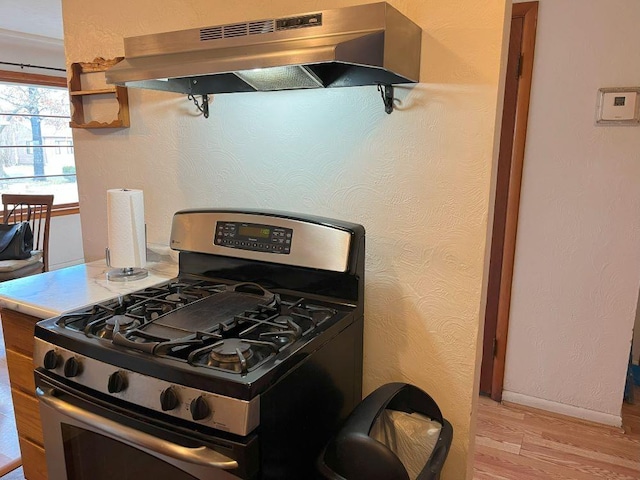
pixel 36 145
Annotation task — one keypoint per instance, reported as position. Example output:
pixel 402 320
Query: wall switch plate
pixel 618 106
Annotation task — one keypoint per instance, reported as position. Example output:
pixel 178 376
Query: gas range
pixel 264 319
pixel 223 342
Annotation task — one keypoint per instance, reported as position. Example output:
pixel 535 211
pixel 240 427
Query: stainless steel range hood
pixel 353 46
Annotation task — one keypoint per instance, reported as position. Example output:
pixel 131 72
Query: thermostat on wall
pixel 618 106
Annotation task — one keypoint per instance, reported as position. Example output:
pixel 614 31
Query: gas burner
pixel 174 297
pixel 281 330
pixel 105 329
pixel 152 309
pixel 230 354
pixel 283 319
pixel 183 294
pixel 119 322
pixel 233 355
pixel 230 350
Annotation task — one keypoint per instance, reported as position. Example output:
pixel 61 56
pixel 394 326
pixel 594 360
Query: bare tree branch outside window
pixel 36 145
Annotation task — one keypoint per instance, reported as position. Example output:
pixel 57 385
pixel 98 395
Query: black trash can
pixel 354 453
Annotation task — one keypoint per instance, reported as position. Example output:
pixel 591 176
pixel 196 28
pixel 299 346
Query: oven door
pixel 87 439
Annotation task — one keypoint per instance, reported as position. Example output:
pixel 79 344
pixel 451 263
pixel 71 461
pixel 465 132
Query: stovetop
pixel 234 328
pixel 189 347
pixel 232 339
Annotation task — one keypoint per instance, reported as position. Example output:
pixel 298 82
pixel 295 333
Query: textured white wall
pixel 419 179
pixel 577 265
pixel 65 242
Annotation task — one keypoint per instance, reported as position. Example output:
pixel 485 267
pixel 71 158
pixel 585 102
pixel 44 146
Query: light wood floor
pixel 519 443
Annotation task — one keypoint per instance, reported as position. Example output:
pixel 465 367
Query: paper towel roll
pixel 126 228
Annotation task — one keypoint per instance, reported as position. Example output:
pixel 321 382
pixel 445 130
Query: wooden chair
pixel 40 207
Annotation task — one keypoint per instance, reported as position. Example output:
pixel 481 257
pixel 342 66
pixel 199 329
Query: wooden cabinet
pixel 18 338
pixel 78 95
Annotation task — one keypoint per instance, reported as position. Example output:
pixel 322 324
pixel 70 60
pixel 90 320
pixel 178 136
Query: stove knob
pixel 72 367
pixel 117 382
pixel 51 360
pixel 169 399
pixel 199 408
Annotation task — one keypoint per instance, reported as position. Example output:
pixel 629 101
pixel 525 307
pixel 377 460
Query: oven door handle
pixel 198 455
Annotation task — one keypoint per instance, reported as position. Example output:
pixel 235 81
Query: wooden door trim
pixel 529 12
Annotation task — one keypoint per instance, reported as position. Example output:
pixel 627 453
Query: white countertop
pixel 52 293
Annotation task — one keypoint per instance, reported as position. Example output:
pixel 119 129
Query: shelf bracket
pixel 386 92
pixel 204 108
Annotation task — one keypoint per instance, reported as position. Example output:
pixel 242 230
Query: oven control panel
pixel 302 241
pixel 229 414
pixel 253 236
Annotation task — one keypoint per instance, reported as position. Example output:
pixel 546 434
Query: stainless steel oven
pixel 240 368
pixel 88 439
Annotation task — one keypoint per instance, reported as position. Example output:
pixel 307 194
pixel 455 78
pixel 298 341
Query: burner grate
pixel 233 328
pixel 137 309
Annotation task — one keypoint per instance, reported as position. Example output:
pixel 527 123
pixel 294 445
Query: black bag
pixel 16 240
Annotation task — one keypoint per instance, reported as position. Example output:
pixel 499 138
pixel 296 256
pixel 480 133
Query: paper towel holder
pixel 124 274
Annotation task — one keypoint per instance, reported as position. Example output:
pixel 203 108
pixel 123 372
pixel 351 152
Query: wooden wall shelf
pixel 78 94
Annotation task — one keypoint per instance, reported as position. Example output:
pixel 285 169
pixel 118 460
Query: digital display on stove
pixel 254 236
pixel 258 232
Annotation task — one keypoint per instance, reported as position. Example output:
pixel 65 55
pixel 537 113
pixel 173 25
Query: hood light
pixel 280 78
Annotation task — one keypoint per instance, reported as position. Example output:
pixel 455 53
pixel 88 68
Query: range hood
pixel 370 44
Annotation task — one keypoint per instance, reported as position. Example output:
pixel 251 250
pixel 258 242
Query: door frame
pixel 496 339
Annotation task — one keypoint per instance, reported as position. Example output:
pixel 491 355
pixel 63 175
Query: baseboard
pixel 562 408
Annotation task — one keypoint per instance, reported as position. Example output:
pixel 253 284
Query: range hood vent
pixel 370 44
